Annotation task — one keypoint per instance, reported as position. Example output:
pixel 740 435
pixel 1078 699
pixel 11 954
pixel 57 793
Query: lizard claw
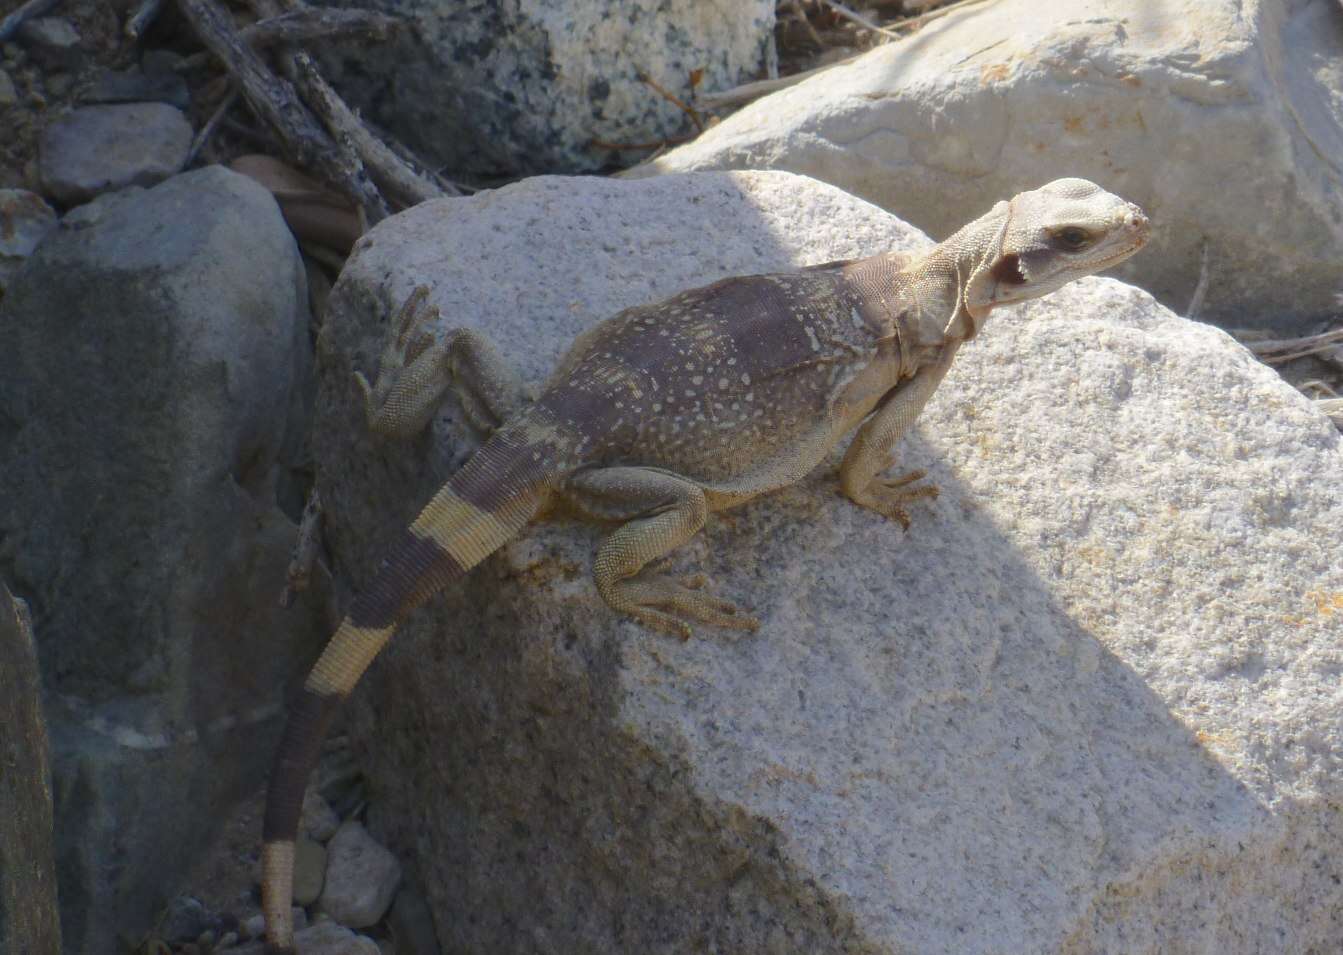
pixel 887 496
pixel 669 605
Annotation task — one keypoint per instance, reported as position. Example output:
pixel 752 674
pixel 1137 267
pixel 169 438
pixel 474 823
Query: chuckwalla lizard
pixel 669 411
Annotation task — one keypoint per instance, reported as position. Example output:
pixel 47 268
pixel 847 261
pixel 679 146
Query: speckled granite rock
pixel 491 89
pixel 1089 703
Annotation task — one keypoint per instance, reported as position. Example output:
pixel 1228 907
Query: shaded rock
pixel 136 85
pixel 505 88
pixel 328 938
pixel 153 390
pixel 52 41
pixel 185 920
pixel 94 149
pixel 29 922
pixel 24 220
pixel 1089 703
pixel 319 820
pixel 361 877
pixel 309 870
pixel 412 922
pixel 8 94
pixel 1157 100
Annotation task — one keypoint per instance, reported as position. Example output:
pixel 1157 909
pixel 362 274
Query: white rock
pixel 1224 119
pixel 1089 703
pixel 361 877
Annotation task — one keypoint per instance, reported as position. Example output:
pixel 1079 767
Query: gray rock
pixel 153 390
pixel 135 85
pixel 328 938
pixel 8 94
pixel 24 221
pixel 412 922
pixel 319 820
pixel 361 877
pixel 94 149
pixel 1158 100
pixel 513 88
pixel 1089 703
pixel 29 921
pixel 309 870
pixel 52 41
pixel 185 920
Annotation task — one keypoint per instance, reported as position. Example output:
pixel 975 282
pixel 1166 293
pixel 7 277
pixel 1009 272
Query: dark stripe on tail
pixel 303 734
pixel 417 569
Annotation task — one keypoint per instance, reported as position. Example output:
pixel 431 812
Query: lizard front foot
pixel 669 605
pixel 416 368
pixel 887 495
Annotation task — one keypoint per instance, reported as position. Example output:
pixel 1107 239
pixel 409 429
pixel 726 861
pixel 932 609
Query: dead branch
pixel 931 15
pixel 33 8
pixel 385 166
pixel 1201 287
pixel 141 19
pixel 670 98
pixel 741 95
pixel 1279 350
pixel 855 17
pixel 304 554
pixel 211 125
pixel 304 26
pixel 274 100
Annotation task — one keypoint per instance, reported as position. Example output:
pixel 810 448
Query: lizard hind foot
pixel 670 606
pixel 887 496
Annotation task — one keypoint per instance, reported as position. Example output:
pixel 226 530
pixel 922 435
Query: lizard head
pixel 1043 239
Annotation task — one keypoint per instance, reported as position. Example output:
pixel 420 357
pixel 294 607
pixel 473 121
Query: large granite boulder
pixel 1088 703
pixel 502 89
pixel 1223 119
pixel 153 394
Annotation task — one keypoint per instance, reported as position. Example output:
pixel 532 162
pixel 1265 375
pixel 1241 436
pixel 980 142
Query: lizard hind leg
pixel 416 368
pixel 660 511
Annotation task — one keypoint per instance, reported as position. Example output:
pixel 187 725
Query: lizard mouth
pixel 1008 271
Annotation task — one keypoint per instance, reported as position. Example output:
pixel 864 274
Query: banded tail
pixel 481 507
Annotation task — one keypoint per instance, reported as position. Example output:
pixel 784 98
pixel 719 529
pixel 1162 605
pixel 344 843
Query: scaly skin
pixel 666 412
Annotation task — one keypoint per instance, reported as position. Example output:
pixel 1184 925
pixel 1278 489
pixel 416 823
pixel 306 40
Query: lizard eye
pixel 1072 238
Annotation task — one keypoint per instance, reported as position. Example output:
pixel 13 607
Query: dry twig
pixel 654 144
pixel 741 95
pixel 33 8
pixel 1279 350
pixel 931 15
pixel 273 99
pixel 670 98
pixel 1201 287
pixel 383 164
pixel 855 17
pixel 304 554
pixel 304 26
pixel 211 125
pixel 142 18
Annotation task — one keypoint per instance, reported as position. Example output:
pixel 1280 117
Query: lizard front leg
pixel 415 371
pixel 870 452
pixel 660 511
